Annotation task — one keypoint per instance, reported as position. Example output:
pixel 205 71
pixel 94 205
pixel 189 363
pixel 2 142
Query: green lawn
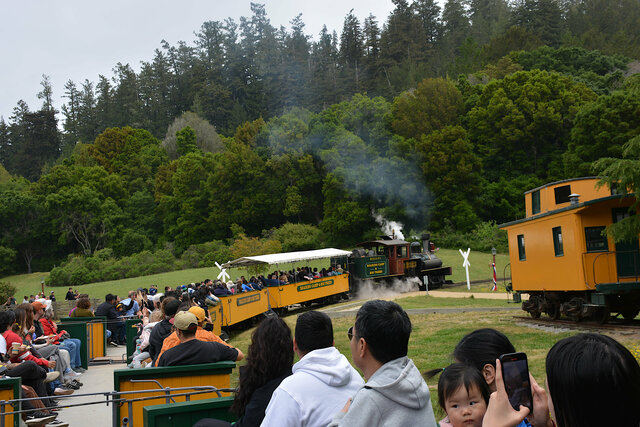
pixel 28 284
pixel 433 302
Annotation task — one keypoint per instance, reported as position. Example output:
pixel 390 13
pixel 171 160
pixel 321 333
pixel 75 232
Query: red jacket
pixel 50 328
pixel 12 337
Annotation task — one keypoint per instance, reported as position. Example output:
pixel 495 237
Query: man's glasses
pixel 350 333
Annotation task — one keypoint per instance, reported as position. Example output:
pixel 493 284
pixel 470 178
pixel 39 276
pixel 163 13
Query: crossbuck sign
pixel 466 264
pixel 223 273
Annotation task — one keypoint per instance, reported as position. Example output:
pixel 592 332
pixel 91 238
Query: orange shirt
pixel 202 335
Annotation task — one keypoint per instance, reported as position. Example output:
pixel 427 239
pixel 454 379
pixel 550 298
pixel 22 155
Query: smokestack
pixel 574 199
pixel 426 240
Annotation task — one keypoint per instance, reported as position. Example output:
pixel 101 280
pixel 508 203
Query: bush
pixel 7 290
pixel 7 259
pixel 485 236
pixel 298 237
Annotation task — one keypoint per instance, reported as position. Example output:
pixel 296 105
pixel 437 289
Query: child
pixel 463 394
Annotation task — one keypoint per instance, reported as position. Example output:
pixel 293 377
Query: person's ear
pixel 295 346
pixel 362 347
pixel 489 374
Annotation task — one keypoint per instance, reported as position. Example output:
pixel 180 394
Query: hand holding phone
pixel 515 374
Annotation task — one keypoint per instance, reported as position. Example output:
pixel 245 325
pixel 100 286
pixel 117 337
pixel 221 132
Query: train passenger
pixel 395 393
pixel 321 381
pixel 192 351
pixel 221 289
pixel 269 361
pixel 114 322
pixel 163 329
pixel 83 308
pixel 592 380
pixel 464 395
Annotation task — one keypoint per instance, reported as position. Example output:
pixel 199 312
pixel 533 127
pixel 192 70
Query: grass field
pixel 29 284
pixel 434 336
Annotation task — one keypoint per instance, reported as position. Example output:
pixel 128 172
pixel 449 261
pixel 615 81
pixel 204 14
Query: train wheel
pixel 553 310
pixel 602 315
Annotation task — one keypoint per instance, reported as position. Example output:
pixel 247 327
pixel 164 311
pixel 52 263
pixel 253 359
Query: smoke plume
pixel 369 289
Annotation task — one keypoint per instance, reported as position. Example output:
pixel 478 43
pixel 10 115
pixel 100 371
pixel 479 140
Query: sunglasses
pixel 350 333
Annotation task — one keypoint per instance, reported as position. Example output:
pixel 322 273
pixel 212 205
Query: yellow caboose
pixel 561 256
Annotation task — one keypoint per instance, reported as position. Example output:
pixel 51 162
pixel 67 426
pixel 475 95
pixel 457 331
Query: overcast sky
pixel 80 39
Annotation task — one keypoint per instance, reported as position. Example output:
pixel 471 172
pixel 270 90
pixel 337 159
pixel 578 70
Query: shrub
pixel 298 237
pixel 485 236
pixel 7 259
pixel 7 290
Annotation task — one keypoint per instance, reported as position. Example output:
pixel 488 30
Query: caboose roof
pixel 567 208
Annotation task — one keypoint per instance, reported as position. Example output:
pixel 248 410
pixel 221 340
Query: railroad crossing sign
pixel 466 264
pixel 223 273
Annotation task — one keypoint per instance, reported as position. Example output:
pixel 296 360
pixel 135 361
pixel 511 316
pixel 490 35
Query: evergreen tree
pixel 456 25
pixel 46 94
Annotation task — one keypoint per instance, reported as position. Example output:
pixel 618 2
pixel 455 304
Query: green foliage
pixel 297 237
pixel 434 104
pixel 484 237
pixel 623 173
pixel 7 260
pixel 186 141
pixel 7 290
pixel 205 254
pixel 206 137
pixel 601 129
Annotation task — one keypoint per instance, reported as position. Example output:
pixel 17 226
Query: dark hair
pixel 170 307
pixel 184 306
pixel 21 315
pixel 314 330
pixel 586 372
pixel 28 317
pixel 386 328
pixel 83 303
pixel 270 356
pixel 109 297
pixel 482 347
pixel 7 319
pixel 457 375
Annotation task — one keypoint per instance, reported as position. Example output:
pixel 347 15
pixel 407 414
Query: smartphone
pixel 515 374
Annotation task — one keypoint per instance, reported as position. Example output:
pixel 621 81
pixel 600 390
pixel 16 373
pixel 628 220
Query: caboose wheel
pixel 553 310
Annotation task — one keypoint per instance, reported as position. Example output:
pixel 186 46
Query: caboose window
pixel 562 194
pixel 596 241
pixel 557 241
pixel 521 253
pixel 535 202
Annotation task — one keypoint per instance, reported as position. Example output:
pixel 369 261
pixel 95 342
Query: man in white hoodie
pixel 321 382
pixel 395 393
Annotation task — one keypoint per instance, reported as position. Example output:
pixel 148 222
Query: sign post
pixel 223 273
pixel 466 264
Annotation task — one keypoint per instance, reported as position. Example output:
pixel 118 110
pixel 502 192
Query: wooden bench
pixel 91 331
pixel 10 390
pixel 128 380
pixel 188 413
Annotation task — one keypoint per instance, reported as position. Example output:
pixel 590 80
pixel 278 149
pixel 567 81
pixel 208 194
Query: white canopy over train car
pixel 285 258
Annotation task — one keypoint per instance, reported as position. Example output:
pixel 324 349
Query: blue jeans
pixel 72 345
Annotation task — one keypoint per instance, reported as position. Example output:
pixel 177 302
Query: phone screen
pixel 515 374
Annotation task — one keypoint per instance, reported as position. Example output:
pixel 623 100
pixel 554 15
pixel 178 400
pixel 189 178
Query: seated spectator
pixel 83 308
pixel 203 335
pixel 61 338
pixel 192 351
pixel 321 381
pixel 115 323
pixel 585 373
pixel 132 308
pixel 269 361
pixel 395 393
pixel 163 329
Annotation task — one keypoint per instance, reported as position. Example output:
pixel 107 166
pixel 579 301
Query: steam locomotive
pixel 391 258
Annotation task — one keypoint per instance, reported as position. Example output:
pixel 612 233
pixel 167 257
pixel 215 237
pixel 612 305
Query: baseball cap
pixel 185 321
pixel 37 305
pixel 199 313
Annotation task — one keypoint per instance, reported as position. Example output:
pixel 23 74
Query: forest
pixel 254 139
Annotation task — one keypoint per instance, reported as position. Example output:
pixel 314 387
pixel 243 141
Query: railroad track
pixel 633 327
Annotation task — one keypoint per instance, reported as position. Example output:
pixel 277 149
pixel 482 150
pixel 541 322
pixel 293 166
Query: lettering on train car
pixel 212 314
pixel 248 299
pixel 309 286
pixel 374 268
pixel 410 264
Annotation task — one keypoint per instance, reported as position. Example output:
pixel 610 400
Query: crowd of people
pixel 47 359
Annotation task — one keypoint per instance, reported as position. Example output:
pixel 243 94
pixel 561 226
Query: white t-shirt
pixel 3 345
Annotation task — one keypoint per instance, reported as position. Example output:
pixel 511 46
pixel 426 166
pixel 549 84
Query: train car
pixel 391 258
pixel 562 258
pixel 280 296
